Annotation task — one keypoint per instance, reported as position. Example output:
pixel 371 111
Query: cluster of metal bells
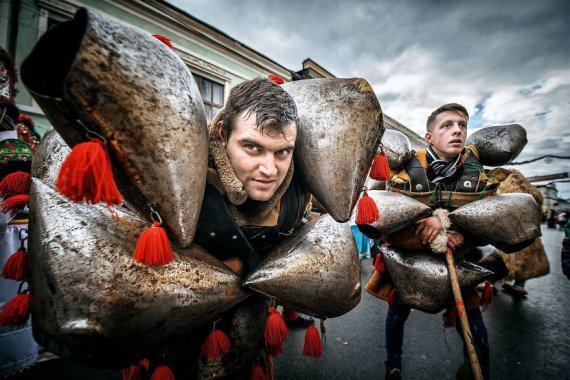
pixel 95 77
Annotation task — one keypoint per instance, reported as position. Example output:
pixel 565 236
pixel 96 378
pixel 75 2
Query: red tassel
pixel 450 316
pixel 16 183
pixel 162 372
pixel 380 169
pixel 275 330
pixel 86 175
pixel 14 205
pixel 215 344
pixel 392 298
pixel 290 314
pixel 17 311
pixel 313 346
pixel 167 41
pixel 367 211
pixel 379 264
pixel 145 363
pixel 135 372
pixel 276 79
pixel 487 295
pixel 257 372
pixel 16 268
pixel 153 247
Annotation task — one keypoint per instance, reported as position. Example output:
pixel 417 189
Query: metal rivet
pixel 234 237
pixel 467 184
pixel 419 187
pixel 263 236
pixel 212 234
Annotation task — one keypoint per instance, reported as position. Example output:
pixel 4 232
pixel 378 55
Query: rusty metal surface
pixel 93 303
pixel 422 280
pixel 315 271
pixel 397 147
pixel 97 73
pixel 396 211
pixel 49 156
pixel 502 220
pixel 499 145
pixel 340 127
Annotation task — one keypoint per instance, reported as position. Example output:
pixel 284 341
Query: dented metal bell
pixel 315 271
pixel 422 280
pixel 340 127
pixel 48 157
pixel 397 147
pixel 94 76
pixel 93 303
pixel 499 145
pixel 510 222
pixel 396 211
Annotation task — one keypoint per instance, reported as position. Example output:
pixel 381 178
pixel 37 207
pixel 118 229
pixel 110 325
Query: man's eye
pixel 251 147
pixel 284 152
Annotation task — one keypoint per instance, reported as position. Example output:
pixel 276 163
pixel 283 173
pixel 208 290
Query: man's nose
pixel 457 129
pixel 267 166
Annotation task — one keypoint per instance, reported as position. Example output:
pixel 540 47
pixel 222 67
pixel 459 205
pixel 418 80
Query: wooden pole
pixel 467 337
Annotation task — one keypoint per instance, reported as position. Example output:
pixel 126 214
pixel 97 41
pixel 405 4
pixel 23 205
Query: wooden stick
pixel 467 337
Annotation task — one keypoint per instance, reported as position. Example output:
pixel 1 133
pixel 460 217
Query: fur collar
pixel 243 210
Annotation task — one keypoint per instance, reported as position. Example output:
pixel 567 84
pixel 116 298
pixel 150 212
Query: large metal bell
pixel 510 222
pixel 49 156
pixel 397 147
pixel 340 127
pixel 499 145
pixel 93 303
pixel 422 279
pixel 96 74
pixel 396 211
pixel 315 271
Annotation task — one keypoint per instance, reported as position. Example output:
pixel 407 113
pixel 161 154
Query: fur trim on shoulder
pixel 443 216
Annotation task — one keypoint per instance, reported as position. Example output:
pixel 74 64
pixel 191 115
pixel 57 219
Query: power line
pixel 540 158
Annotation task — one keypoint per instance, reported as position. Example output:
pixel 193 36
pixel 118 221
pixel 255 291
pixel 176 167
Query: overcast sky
pixel 506 61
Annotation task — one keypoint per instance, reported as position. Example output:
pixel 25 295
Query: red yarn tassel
pixel 167 41
pixel 290 314
pixel 257 372
pixel 162 372
pixel 380 169
pixel 276 79
pixel 275 330
pixel 392 298
pixel 16 268
pixel 137 372
pixel 379 264
pixel 367 211
pixel 14 205
pixel 153 247
pixel 16 183
pixel 17 311
pixel 313 346
pixel 487 296
pixel 450 316
pixel 86 175
pixel 215 344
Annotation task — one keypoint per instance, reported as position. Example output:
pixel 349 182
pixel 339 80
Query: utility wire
pixel 540 158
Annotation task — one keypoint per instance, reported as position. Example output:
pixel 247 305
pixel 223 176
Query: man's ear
pixel 220 132
pixel 427 137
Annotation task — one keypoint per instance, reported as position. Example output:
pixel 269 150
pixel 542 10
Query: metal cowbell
pixel 509 222
pixel 498 145
pixel 94 76
pixel 396 211
pixel 397 147
pixel 315 271
pixel 49 157
pixel 340 127
pixel 422 281
pixel 91 302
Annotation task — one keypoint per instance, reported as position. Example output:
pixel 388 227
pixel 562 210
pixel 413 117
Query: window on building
pixel 212 95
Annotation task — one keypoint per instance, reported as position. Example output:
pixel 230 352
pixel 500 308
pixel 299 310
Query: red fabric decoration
pixel 379 264
pixel 145 363
pixel 16 268
pixel 162 372
pixel 257 372
pixel 153 247
pixel 135 372
pixel 380 169
pixel 275 330
pixel 450 316
pixel 167 41
pixel 276 79
pixel 17 311
pixel 215 344
pixel 313 346
pixel 16 183
pixel 487 295
pixel 290 314
pixel 367 211
pixel 86 175
pixel 392 298
pixel 14 205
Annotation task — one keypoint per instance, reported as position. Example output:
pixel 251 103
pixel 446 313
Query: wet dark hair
pixel 450 107
pixel 273 106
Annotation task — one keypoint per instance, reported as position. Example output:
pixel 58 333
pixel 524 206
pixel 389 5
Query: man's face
pixel 448 136
pixel 260 161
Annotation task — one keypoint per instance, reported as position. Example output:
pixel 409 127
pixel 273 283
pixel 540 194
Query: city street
pixel 529 338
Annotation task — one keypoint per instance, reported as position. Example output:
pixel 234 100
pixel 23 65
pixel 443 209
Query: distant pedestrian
pixel 565 259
